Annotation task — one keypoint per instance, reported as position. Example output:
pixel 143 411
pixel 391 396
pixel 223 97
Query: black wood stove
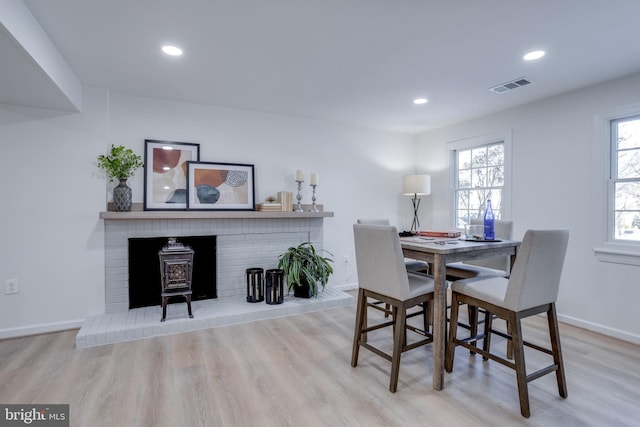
pixel 176 269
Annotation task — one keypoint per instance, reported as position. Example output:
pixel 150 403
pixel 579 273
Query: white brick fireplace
pixel 244 240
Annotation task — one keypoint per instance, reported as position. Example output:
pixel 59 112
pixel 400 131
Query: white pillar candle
pixel 299 175
pixel 314 179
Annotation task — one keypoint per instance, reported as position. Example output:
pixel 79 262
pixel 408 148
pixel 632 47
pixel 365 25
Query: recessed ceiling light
pixel 536 54
pixel 172 50
pixel 420 101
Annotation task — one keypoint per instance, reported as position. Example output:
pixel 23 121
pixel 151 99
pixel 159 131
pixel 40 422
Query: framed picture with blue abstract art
pixel 220 186
pixel 165 173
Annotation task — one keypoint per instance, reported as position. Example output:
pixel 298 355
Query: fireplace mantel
pixel 150 215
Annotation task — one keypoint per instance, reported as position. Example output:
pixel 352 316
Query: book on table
pixel 437 233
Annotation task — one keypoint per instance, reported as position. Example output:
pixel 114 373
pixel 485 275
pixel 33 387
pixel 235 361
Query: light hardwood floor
pixel 295 371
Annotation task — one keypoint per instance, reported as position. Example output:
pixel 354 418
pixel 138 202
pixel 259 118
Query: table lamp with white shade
pixel 416 185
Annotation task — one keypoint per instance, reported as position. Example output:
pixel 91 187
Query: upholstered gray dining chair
pixel 411 265
pixel 382 276
pixel 493 266
pixel 531 289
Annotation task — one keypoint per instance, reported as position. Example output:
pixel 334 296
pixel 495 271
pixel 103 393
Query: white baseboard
pixel 40 329
pixel 604 330
pixel 346 287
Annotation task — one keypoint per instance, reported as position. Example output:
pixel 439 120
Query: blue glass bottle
pixel 488 222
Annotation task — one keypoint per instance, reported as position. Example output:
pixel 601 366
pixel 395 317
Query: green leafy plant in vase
pixel 120 164
pixel 305 269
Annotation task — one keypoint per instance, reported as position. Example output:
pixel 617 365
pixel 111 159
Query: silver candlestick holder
pixel 313 199
pixel 299 197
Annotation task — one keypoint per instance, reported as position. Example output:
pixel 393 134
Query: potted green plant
pixel 120 163
pixel 305 268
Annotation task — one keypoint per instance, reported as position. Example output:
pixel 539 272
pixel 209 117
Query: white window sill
pixel 618 253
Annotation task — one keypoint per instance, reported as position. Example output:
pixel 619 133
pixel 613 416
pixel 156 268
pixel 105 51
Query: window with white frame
pixel 624 187
pixel 480 172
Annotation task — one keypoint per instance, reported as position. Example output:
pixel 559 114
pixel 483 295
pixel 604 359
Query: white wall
pixel 553 186
pixel 52 239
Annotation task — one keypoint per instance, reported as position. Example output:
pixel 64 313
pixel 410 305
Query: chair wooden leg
pixel 426 315
pixel 365 321
pixel 394 316
pixel 361 314
pixel 509 343
pixel 453 329
pixel 404 340
pixel 518 358
pixel 488 324
pixel 554 334
pixel 399 340
pixel 472 313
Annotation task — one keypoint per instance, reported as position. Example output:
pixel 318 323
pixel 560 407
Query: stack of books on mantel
pixel 286 199
pixel 270 207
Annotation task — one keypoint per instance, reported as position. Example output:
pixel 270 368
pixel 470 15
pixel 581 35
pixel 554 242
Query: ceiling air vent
pixel 505 87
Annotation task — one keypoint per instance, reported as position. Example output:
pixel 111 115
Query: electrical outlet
pixel 11 286
pixel 346 259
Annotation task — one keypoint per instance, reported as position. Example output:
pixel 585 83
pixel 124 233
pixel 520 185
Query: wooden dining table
pixel 438 253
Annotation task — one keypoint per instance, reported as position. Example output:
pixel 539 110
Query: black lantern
pixel 274 286
pixel 255 284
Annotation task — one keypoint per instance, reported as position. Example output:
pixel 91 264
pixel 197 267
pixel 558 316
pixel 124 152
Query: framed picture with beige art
pixel 220 186
pixel 165 173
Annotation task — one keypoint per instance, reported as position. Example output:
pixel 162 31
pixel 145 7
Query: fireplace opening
pixel 144 269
